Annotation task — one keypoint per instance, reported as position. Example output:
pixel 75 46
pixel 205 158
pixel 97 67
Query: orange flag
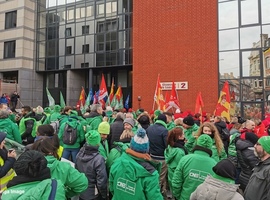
pixel 223 105
pixel 158 97
pixel 81 100
pixel 199 104
pixel 111 91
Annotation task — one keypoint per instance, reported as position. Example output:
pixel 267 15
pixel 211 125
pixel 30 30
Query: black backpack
pixel 70 135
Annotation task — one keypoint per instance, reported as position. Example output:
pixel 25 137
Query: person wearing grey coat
pixel 220 186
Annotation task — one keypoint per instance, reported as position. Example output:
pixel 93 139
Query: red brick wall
pixel 179 41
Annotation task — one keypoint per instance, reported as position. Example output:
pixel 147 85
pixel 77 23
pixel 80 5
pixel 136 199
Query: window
pixel 268 62
pixel 85 29
pixel 68 32
pixel 9 49
pixel 11 20
pixel 85 48
pixel 68 50
pixel 84 65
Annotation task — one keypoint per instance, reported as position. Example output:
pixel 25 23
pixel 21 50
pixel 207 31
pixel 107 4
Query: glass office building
pixel 244 55
pixel 84 38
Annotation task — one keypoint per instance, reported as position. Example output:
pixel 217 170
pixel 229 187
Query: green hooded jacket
pixel 131 180
pixel 36 190
pixel 93 122
pixel 191 171
pixel 188 132
pixel 74 181
pixel 170 125
pixel 80 133
pixel 172 157
pixel 11 129
pixel 116 153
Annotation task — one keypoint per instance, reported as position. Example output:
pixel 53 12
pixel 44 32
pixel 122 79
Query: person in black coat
pixel 116 129
pixel 246 157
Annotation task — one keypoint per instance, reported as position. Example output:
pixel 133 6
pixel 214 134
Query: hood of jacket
pixel 171 152
pixel 5 122
pixel 88 152
pixel 135 168
pixel 52 162
pixel 216 189
pixel 243 144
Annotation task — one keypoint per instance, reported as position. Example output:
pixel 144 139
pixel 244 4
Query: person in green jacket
pixel 94 118
pixel 174 151
pixel 71 149
pixel 74 181
pixel 104 131
pixel 9 127
pixel 33 180
pixel 190 129
pixel 170 122
pixel 135 178
pixel 193 169
pixel 54 116
pixel 218 151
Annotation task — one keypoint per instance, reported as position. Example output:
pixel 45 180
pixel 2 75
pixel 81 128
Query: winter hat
pixel 104 128
pixel 45 130
pixel 265 143
pixel 140 142
pixel 30 163
pixel 162 117
pixel 144 119
pixel 39 110
pixel 57 108
pixel 47 110
pixel 73 113
pixel 2 136
pixel 225 168
pixel 251 137
pixel 129 121
pixel 205 141
pixel 157 112
pixel 93 137
pixel 188 121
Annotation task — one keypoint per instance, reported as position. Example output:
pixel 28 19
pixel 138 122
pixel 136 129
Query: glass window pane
pixel 100 9
pixel 79 43
pixel 229 65
pixel 251 63
pixel 89 11
pixel 252 89
pixel 231 9
pixel 252 110
pixel 61 2
pixel 249 36
pixel 265 4
pixel 228 40
pixel 249 12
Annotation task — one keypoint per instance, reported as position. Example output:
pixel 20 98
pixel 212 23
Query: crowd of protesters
pixel 126 154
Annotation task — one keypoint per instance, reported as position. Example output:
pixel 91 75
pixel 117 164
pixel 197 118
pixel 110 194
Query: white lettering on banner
pixel 178 85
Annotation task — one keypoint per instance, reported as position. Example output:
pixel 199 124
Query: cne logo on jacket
pixel 126 186
pixel 197 175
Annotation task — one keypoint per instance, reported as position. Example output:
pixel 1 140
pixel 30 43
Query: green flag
pixel 50 98
pixel 62 100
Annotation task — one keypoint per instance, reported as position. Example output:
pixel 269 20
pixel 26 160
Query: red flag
pixel 102 89
pixel 223 105
pixel 199 104
pixel 81 100
pixel 173 101
pixel 111 91
pixel 95 100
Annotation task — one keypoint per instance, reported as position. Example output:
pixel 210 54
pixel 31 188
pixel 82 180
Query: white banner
pixel 178 85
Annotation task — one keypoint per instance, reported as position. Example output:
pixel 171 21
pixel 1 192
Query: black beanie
pixel 30 163
pixel 188 121
pixel 252 137
pixel 225 168
pixel 162 117
pixel 2 136
pixel 144 119
pixel 45 130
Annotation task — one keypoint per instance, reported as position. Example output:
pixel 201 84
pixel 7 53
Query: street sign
pixel 178 85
